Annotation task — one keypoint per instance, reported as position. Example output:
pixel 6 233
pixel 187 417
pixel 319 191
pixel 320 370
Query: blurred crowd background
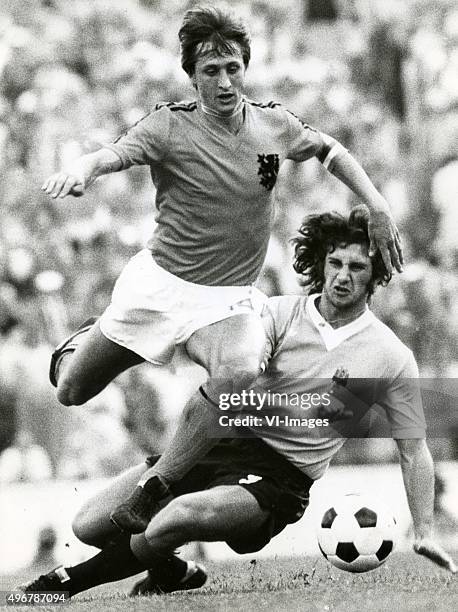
pixel 379 75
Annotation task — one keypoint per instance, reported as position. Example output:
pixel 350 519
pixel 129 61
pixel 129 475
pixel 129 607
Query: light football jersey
pixel 303 353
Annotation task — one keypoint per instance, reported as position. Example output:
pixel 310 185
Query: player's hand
pixel 433 551
pixel 384 236
pixel 336 410
pixel 63 184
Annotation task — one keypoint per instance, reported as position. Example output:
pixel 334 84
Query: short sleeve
pixel 402 402
pixel 268 322
pixel 146 142
pixel 276 318
pixel 305 141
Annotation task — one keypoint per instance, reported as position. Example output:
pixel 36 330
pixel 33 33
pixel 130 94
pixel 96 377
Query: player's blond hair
pixel 216 25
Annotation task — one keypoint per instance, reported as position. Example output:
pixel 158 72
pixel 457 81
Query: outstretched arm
pixel 418 474
pixel 383 233
pixel 79 174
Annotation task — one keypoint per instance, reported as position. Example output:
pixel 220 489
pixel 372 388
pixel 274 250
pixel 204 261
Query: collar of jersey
pixel 210 121
pixel 210 113
pixel 330 336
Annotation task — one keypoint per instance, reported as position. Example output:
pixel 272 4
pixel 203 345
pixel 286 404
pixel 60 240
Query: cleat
pixel 69 345
pixel 134 515
pixel 56 581
pixel 195 577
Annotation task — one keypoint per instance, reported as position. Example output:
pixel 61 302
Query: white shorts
pixel 152 311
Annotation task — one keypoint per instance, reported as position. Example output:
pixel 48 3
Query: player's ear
pixel 192 78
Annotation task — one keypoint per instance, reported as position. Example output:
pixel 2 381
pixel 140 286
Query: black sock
pixel 117 561
pixel 114 562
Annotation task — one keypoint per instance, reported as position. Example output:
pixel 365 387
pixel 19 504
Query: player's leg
pixel 94 363
pixel 210 515
pixel 231 350
pixel 92 524
pixel 116 561
pixel 214 515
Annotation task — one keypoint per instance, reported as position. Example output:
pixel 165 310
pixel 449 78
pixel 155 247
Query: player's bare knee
pixel 88 531
pixel 65 395
pixel 79 532
pixel 242 368
pixel 69 394
pixel 81 528
pixel 173 519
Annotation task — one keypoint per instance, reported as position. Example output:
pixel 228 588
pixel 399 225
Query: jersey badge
pixel 269 166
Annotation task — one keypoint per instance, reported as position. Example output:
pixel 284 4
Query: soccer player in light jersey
pixel 214 162
pixel 245 491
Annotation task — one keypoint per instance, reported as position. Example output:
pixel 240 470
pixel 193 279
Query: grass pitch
pixel 405 583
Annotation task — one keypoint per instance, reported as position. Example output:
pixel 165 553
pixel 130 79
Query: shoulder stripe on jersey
pixel 173 106
pixel 305 125
pixel 124 132
pixel 177 106
pixel 270 104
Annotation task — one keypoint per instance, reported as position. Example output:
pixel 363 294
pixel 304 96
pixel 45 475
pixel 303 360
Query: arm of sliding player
pixel 418 474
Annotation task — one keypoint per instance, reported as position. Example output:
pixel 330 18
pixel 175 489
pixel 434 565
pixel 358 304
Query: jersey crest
pixel 269 166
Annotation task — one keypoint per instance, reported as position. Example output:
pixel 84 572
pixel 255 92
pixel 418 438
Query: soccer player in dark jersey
pixel 246 490
pixel 214 162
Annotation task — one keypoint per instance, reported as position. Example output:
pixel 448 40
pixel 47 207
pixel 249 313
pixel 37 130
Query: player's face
pixel 347 273
pixel 219 79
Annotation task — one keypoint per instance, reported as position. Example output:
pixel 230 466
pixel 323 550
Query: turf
pixel 404 583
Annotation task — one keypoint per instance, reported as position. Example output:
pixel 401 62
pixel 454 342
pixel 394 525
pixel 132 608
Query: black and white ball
pixel 356 533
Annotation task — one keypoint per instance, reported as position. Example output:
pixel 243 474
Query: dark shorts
pixel 277 485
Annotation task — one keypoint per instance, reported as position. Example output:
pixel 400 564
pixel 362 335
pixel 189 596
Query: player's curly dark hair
pixel 321 234
pixel 211 24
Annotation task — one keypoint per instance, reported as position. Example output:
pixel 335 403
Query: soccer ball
pixel 356 533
